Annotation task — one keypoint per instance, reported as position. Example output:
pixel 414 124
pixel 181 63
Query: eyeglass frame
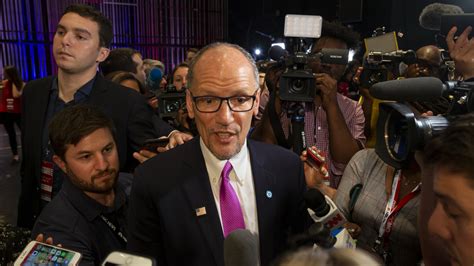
pixel 253 97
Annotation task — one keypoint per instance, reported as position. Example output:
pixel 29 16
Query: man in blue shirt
pixel 89 213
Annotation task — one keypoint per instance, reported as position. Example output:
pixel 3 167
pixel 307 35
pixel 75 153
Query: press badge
pixel 46 180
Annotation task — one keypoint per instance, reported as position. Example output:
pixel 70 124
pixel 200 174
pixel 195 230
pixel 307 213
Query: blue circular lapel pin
pixel 269 194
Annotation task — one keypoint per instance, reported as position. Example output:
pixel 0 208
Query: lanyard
pixel 393 206
pixel 115 229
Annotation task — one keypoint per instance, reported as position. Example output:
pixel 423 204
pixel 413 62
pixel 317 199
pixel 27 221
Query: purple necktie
pixel 231 212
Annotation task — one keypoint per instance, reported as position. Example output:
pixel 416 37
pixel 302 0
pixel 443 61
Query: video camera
pixel 170 102
pixel 399 131
pixel 297 82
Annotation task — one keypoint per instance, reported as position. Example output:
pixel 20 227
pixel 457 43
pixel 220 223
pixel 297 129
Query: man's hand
pixel 144 155
pixel 176 138
pixel 328 87
pixel 314 177
pixel 462 52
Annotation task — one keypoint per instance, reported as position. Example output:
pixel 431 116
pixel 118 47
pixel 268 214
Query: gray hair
pixel 198 56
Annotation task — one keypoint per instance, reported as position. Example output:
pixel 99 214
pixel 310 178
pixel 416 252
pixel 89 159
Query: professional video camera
pixel 399 131
pixel 170 102
pixel 297 82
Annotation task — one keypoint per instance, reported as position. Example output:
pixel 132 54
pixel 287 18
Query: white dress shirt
pixel 241 179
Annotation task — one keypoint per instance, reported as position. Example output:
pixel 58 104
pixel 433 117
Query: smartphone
pixel 38 253
pixel 121 258
pixel 461 21
pixel 317 160
pixel 153 144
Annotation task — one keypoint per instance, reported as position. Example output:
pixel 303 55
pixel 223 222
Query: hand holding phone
pixel 153 144
pixel 317 160
pixel 38 253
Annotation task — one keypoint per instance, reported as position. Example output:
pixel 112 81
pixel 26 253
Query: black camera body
pixel 400 132
pixel 297 83
pixel 377 65
pixel 170 102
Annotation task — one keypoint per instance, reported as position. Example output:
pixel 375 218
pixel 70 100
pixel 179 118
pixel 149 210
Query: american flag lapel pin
pixel 201 211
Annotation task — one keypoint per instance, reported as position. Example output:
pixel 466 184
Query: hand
pixel 328 87
pixel 153 102
pixel 314 177
pixel 143 155
pixel 176 138
pixel 462 52
pixel 49 240
pixel 353 229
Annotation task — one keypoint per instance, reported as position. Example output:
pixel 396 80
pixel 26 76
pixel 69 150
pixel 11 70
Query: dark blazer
pixel 169 188
pixel 128 109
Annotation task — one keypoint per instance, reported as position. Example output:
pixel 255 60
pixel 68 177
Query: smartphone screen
pixel 42 254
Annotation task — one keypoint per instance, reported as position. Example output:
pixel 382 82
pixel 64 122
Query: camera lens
pixel 396 136
pixel 172 107
pixel 297 86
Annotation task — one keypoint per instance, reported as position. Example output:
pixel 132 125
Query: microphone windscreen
pixel 277 53
pixel 156 74
pixel 410 89
pixel 316 201
pixel 241 248
pixel 430 17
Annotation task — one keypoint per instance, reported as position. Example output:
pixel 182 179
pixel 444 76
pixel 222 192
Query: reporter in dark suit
pixel 184 202
pixel 80 44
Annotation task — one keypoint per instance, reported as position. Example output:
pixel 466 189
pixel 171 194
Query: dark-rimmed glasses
pixel 212 104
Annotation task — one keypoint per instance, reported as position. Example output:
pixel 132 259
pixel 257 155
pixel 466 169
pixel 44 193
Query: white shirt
pixel 241 179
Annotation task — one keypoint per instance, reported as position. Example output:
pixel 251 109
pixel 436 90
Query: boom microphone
pixel 430 17
pixel 241 248
pixel 412 89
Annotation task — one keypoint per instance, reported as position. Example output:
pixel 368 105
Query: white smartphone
pixel 122 258
pixel 38 253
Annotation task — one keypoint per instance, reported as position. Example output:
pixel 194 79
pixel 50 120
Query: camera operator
pixel 333 122
pixel 428 61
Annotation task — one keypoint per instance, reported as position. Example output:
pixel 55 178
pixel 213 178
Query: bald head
pixel 222 57
pixel 430 54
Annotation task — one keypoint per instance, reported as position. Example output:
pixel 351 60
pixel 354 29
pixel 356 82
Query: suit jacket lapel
pixel 199 193
pixel 264 183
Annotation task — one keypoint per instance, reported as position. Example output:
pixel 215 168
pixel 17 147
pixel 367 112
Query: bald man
pixel 221 181
pixel 427 63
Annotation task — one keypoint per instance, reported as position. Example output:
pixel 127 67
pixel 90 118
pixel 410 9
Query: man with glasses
pixel 221 181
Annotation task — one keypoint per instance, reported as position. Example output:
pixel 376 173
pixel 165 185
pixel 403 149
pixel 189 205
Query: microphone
pixel 154 79
pixel 430 17
pixel 241 248
pixel 323 210
pixel 411 89
pixel 277 53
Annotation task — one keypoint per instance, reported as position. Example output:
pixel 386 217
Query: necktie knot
pixel 226 170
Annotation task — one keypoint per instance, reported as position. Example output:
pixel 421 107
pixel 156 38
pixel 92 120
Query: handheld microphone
pixel 154 78
pixel 323 210
pixel 412 89
pixel 430 17
pixel 241 248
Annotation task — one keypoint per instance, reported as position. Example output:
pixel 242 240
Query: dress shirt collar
pixel 238 162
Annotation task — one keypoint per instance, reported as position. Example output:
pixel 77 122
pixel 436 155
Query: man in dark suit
pixel 186 201
pixel 80 44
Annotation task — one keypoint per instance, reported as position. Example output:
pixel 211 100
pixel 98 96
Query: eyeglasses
pixel 212 104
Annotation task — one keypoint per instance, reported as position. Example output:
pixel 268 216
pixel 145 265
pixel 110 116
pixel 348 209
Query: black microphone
pixel 241 248
pixel 430 17
pixel 411 89
pixel 277 53
pixel 324 210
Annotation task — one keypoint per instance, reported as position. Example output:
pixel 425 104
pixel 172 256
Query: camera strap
pixel 122 238
pixel 276 123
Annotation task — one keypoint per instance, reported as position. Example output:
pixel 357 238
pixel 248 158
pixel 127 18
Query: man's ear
pixel 59 162
pixel 256 104
pixel 103 54
pixel 189 104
